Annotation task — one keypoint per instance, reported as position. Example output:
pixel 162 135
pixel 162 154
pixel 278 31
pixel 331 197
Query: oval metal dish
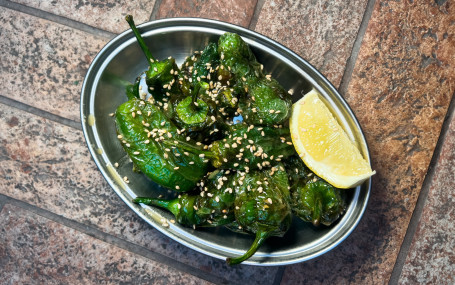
pixel 122 58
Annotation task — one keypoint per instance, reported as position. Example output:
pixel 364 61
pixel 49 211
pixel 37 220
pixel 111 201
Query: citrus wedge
pixel 324 146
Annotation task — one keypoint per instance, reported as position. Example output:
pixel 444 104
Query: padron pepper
pixel 245 148
pixel 266 102
pixel 162 77
pixel 262 207
pixel 142 128
pixel 313 199
pixel 213 206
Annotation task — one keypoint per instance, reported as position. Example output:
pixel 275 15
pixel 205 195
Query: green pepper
pixel 246 147
pixel 317 201
pixel 141 129
pixel 162 77
pixel 266 102
pixel 132 89
pixel 262 207
pixel 213 206
pixel 313 199
pixel 194 114
pixel 207 62
pixel 237 57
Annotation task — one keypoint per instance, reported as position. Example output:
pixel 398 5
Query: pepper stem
pixel 140 40
pixel 258 241
pixel 316 217
pixel 170 205
pixel 194 106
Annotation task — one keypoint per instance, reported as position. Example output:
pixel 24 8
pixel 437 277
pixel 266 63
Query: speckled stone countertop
pixel 393 61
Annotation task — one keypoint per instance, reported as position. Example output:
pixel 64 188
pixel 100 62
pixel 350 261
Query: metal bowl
pixel 122 58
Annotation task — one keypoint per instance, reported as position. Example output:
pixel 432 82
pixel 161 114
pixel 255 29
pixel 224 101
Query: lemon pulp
pixel 324 146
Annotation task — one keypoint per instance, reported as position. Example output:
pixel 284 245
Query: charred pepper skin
pixel 135 121
pixel 213 207
pixel 313 199
pixel 317 202
pixel 246 147
pixel 266 102
pixel 262 209
pixel 161 79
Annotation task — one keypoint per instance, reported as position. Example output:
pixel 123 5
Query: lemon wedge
pixel 324 146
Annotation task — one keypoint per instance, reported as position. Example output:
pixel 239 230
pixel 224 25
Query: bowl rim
pixel 323 85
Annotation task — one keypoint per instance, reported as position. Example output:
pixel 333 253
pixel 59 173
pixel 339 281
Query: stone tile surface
pixel 104 14
pixel 431 258
pixel 35 250
pixel 43 63
pixel 236 12
pixel 321 31
pixel 400 90
pixel 48 165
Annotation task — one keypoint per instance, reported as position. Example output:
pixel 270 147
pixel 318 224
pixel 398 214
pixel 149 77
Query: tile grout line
pixel 424 191
pixel 255 18
pixel 39 112
pixel 3 202
pixel 349 69
pixel 110 239
pixel 279 275
pixel 56 18
pixel 155 10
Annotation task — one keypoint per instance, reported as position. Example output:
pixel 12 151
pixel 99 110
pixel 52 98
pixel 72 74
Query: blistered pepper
pixel 262 207
pixel 212 206
pixel 141 128
pixel 265 101
pixel 246 147
pixel 162 77
pixel 313 199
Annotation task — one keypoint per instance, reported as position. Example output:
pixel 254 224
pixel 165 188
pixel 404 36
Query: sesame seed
pixel 201 155
pixel 177 187
pixel 191 162
pixel 176 168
